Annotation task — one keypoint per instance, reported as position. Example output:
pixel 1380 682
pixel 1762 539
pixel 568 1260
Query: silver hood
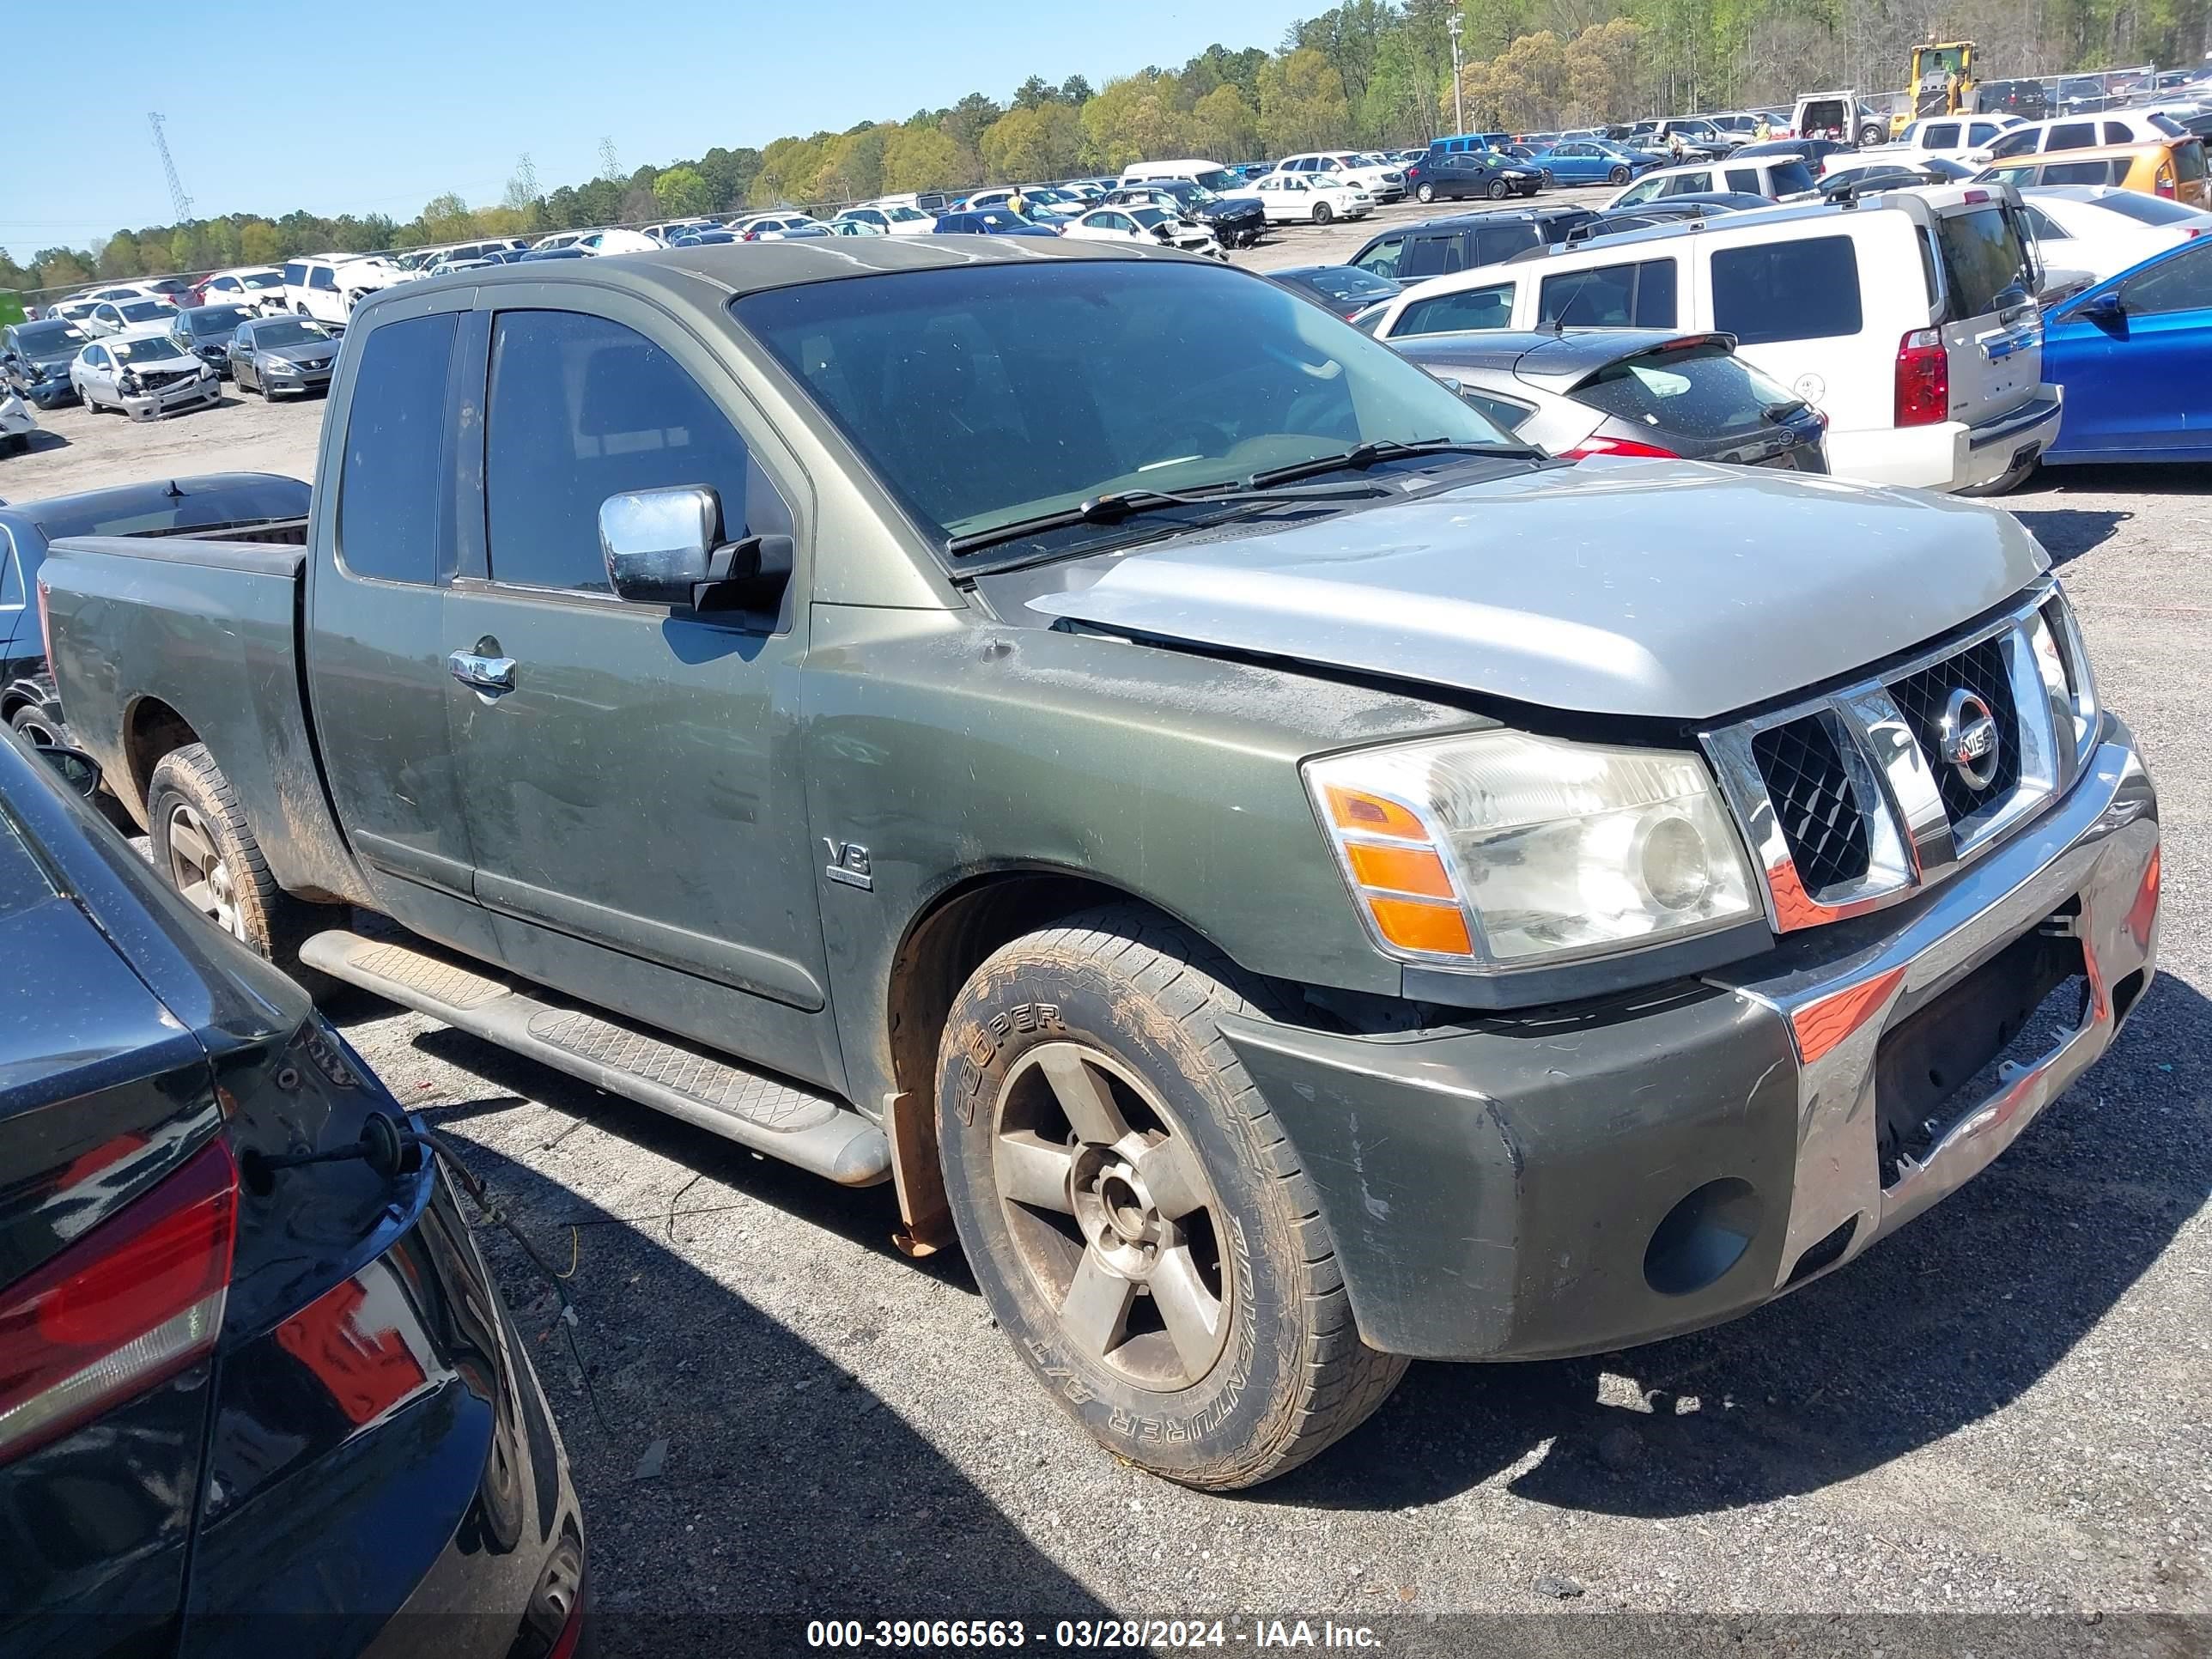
pixel 1657 588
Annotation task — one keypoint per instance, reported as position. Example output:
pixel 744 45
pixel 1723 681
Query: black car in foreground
pixel 35 358
pixel 1345 290
pixel 256 1388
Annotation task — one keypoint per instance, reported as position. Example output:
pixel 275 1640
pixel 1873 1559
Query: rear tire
pixel 34 725
pixel 1135 1218
pixel 1424 193
pixel 206 849
pixel 1322 213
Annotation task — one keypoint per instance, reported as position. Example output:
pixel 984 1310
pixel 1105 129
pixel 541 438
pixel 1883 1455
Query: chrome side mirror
pixel 658 542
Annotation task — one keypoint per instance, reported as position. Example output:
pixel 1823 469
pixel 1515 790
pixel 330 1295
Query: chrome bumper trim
pixel 2100 845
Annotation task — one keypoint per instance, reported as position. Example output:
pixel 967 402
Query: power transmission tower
pixel 180 203
pixel 526 174
pixel 610 167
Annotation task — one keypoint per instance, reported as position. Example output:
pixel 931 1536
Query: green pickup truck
pixel 1288 878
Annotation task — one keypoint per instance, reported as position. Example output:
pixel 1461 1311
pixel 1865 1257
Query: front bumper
pixel 49 394
pixel 299 379
pixel 195 393
pixel 1949 455
pixel 1588 1180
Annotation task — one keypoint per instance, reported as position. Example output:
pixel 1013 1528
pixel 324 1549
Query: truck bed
pixel 147 632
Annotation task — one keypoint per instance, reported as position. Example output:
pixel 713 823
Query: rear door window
pixel 2116 132
pixel 2071 135
pixel 296 275
pixel 1940 135
pixel 1610 296
pixel 1689 184
pixel 1981 256
pixel 1746 180
pixel 322 276
pixel 582 409
pixel 1448 313
pixel 1495 244
pixel 2083 172
pixel 1431 255
pixel 1804 289
pixel 388 480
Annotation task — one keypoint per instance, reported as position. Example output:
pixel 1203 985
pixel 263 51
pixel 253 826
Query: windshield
pixel 213 320
pixel 263 279
pixel 145 311
pixel 288 333
pixel 152 351
pixel 2150 210
pixel 1219 178
pixel 1052 383
pixel 1350 282
pixel 39 338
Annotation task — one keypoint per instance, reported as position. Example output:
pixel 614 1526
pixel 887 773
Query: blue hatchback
pixel 1591 161
pixel 2135 354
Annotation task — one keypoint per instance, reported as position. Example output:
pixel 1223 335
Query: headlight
pixel 282 365
pixel 1504 850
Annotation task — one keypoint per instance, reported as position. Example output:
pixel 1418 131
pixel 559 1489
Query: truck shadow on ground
pixel 737 1480
pixel 2068 532
pixel 1938 1327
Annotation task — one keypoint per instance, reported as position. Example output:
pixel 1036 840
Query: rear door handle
pixel 484 673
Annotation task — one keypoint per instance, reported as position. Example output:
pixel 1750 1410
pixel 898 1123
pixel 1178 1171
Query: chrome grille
pixel 1848 800
pixel 1803 771
pixel 1922 696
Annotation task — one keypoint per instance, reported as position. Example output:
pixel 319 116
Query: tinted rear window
pixel 1612 296
pixel 1795 290
pixel 2188 162
pixel 1350 283
pixel 2071 135
pixel 1981 256
pixel 1702 390
pixel 1786 178
pixel 2152 210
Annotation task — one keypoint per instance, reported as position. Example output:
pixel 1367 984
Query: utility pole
pixel 180 203
pixel 1459 106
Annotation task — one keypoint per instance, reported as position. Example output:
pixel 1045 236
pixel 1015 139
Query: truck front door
pixel 631 772
pixel 386 509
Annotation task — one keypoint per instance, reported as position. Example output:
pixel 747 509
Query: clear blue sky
pixel 379 107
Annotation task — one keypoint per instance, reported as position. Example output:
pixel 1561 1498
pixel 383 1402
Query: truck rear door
pixel 387 542
pixel 630 773
pixel 1992 331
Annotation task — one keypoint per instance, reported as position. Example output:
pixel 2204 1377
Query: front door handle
pixel 483 673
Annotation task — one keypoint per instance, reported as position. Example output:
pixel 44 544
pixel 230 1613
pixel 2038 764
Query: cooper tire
pixel 1136 1219
pixel 1424 194
pixel 1618 176
pixel 1322 213
pixel 204 847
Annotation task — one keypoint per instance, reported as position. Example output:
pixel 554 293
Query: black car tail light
pixel 134 1301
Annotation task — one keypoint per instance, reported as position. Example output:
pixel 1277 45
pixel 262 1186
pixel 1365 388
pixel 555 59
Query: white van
pixel 1905 319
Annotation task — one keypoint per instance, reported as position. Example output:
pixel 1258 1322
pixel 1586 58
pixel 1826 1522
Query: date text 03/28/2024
pixel 1137 1635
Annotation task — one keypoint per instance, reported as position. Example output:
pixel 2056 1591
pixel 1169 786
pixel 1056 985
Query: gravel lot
pixel 2003 1411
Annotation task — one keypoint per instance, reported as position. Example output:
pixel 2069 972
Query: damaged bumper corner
pixel 1574 1180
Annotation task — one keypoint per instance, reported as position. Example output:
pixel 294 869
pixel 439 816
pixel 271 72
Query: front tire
pixel 1499 190
pixel 1322 213
pixel 206 848
pixel 34 725
pixel 1618 176
pixel 1424 193
pixel 1135 1218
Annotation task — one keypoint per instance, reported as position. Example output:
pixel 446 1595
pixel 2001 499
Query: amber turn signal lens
pixel 1399 870
pixel 1354 809
pixel 1437 929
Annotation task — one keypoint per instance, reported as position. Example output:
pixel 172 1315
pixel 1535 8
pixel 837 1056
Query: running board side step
pixel 771 1115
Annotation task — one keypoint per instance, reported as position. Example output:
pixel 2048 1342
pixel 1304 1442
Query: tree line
pixel 1365 73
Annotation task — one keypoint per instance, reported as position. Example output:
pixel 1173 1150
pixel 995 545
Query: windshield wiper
pixel 1361 457
pixel 1125 504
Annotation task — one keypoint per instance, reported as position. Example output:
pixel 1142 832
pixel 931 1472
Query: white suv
pixel 1346 167
pixel 1906 319
pixel 329 286
pixel 2114 126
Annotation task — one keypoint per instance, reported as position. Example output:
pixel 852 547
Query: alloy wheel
pixel 1112 1217
pixel 198 872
